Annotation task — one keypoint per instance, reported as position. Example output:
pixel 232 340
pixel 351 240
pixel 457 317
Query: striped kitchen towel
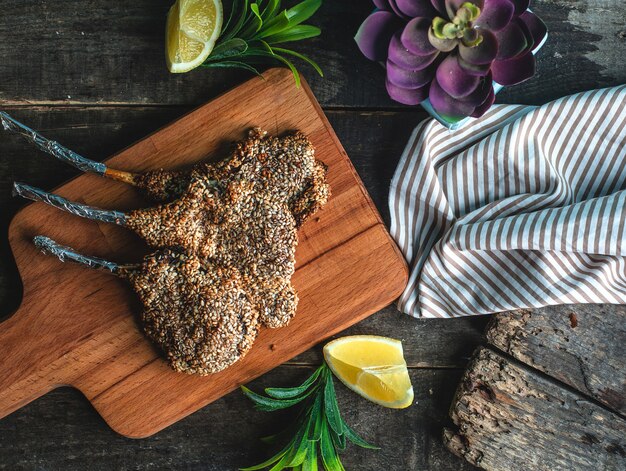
pixel 524 207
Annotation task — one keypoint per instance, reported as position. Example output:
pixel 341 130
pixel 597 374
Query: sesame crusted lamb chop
pixel 199 315
pixel 238 228
pixel 287 164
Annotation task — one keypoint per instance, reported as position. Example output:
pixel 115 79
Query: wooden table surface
pixel 91 74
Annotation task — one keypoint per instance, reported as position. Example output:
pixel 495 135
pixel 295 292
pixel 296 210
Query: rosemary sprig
pixel 319 429
pixel 254 29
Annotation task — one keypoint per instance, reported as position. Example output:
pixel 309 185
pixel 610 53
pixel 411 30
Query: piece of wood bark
pixel 61 431
pixel 512 417
pixel 582 346
pixel 99 52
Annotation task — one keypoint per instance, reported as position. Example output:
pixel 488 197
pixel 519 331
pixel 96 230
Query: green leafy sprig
pixel 319 430
pixel 254 29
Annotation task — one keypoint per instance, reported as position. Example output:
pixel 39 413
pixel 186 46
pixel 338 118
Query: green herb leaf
pixel 318 429
pixel 239 24
pixel 269 462
pixel 296 33
pixel 303 11
pixel 230 48
pixel 253 27
pixel 254 23
pixel 331 408
pixel 356 439
pixel 270 9
pixel 287 393
pixel 302 57
pixel 233 64
pixel 268 404
pixel 329 455
pixel 310 463
pixel 277 24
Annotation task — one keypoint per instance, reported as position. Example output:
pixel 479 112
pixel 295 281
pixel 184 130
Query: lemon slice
pixel 373 367
pixel 192 28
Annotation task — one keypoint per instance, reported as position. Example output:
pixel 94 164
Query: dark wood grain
pixel 582 346
pixel 89 79
pixel 61 431
pixel 98 52
pixel 512 417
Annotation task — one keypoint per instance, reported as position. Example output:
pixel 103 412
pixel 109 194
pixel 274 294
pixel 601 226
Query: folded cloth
pixel 524 207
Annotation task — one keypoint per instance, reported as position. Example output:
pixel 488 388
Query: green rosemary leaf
pixel 287 393
pixel 229 48
pixel 296 33
pixel 302 57
pixel 231 15
pixel 270 9
pixel 310 463
pixel 240 22
pixel 254 22
pixel 329 455
pixel 294 71
pixel 265 46
pixel 319 423
pixel 233 65
pixel 338 440
pixel 270 461
pixel 277 24
pixel 331 408
pixel 303 11
pixel 268 404
pixel 356 439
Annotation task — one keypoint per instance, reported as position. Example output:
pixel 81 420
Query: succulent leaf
pixel 441 44
pixel 415 37
pixel 511 41
pixel 400 55
pixel 375 33
pixel 536 27
pixel 453 50
pixel 407 96
pixel 495 15
pixel 480 110
pixel 415 8
pixel 454 80
pixel 479 70
pixel 409 78
pixel 381 4
pixel 515 70
pixel 446 105
pixel 482 53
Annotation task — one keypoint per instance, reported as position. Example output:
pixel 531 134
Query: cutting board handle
pixel 25 370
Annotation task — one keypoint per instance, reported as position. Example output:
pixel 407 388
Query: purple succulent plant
pixel 451 51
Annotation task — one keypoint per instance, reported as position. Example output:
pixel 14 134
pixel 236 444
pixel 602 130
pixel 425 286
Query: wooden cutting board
pixel 79 327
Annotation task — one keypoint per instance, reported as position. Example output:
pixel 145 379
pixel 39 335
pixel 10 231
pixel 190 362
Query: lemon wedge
pixel 373 367
pixel 192 28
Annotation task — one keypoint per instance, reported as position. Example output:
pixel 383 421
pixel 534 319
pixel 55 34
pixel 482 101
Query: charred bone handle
pixel 51 147
pixel 82 210
pixel 63 253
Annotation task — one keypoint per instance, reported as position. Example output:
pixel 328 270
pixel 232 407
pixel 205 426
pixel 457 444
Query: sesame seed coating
pixel 233 225
pixel 197 313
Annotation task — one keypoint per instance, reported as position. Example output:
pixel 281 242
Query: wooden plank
pixel 374 148
pixel 80 328
pixel 511 417
pixel 97 52
pixel 582 346
pixel 61 431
